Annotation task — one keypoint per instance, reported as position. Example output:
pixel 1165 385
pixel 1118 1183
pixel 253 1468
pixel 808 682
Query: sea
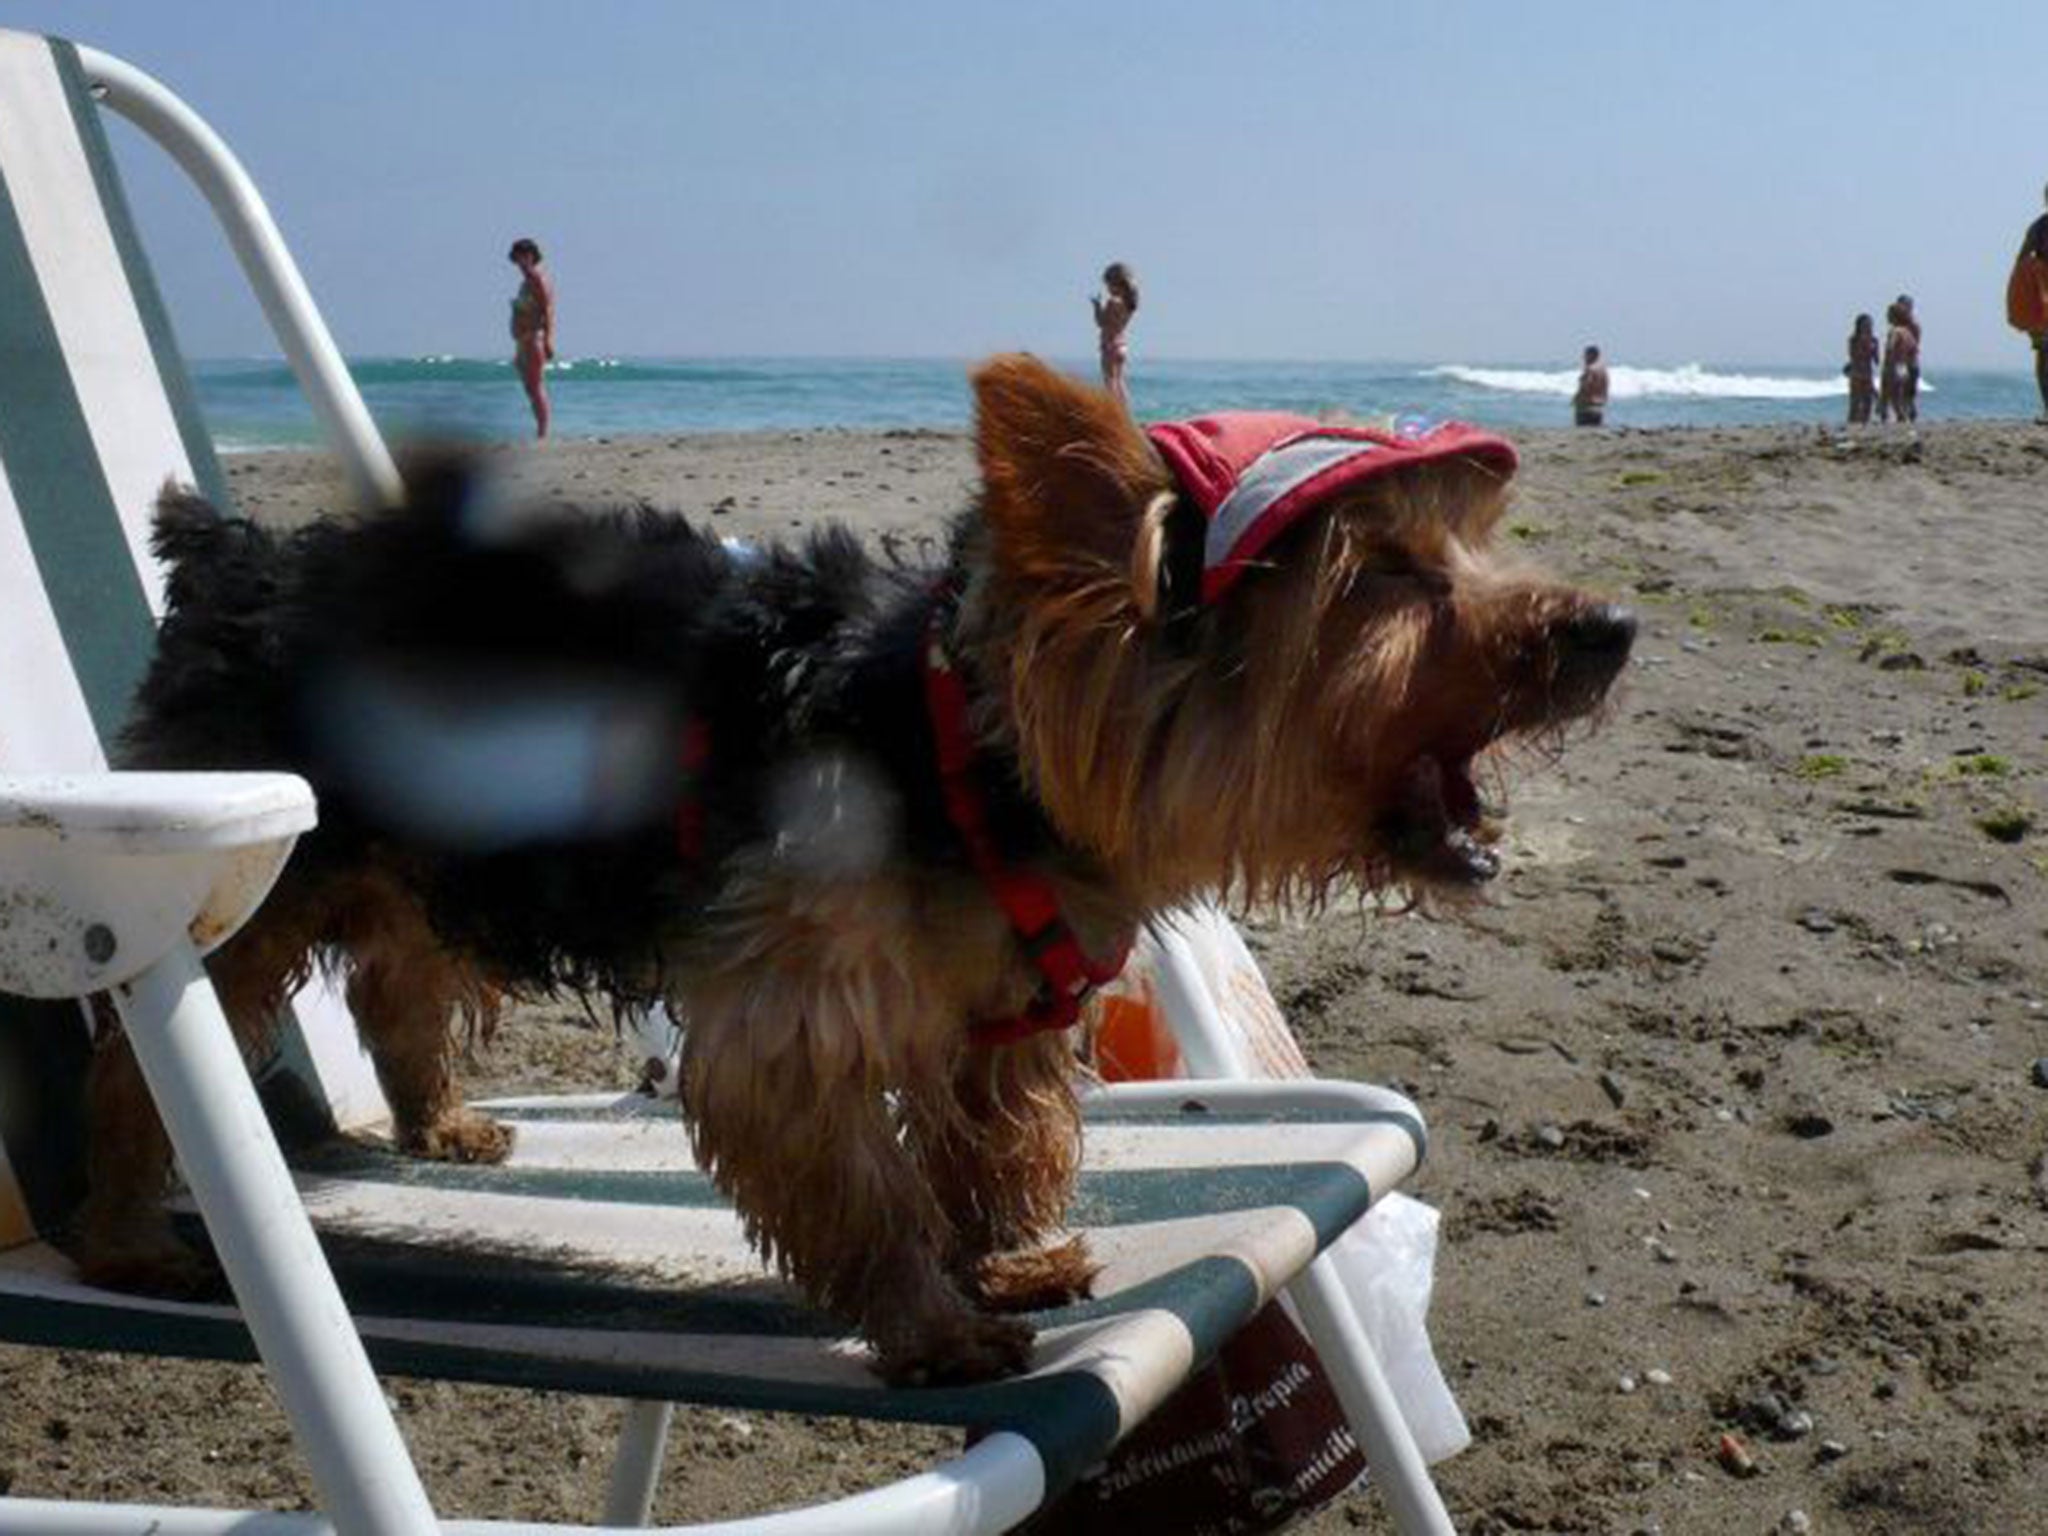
pixel 253 404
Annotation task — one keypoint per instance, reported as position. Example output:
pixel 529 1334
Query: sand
pixel 1732 1082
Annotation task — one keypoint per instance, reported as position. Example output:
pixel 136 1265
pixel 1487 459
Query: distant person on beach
pixel 1113 312
pixel 1862 370
pixel 1901 388
pixel 2026 299
pixel 1589 401
pixel 533 329
pixel 1912 322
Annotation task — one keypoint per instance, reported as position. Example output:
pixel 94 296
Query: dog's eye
pixel 1404 570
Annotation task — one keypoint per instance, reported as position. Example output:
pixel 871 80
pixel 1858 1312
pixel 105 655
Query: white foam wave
pixel 1689 381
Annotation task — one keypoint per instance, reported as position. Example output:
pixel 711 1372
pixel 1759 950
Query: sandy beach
pixel 1738 1083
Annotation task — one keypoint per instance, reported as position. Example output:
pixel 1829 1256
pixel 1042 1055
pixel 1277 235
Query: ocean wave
pixel 1689 381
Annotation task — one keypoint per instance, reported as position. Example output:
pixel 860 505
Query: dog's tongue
pixel 1433 832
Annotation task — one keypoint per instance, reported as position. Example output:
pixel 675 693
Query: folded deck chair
pixel 614 1268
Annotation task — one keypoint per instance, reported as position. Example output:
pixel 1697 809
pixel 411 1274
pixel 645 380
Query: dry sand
pixel 1732 1083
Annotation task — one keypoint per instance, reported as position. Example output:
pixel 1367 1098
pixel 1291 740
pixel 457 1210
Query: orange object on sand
pixel 1132 1042
pixel 2026 295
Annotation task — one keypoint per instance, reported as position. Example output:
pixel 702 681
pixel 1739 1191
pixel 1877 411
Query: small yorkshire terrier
pixel 872 832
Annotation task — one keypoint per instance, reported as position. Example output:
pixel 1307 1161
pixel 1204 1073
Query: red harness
pixel 1026 897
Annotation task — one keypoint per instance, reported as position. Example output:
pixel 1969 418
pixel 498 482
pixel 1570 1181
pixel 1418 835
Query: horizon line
pixel 1081 358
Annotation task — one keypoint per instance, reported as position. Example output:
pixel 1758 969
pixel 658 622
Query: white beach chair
pixel 1204 1198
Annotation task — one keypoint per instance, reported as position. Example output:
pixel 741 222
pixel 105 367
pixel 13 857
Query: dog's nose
pixel 1590 649
pixel 1604 631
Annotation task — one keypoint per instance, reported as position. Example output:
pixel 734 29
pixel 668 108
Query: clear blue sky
pixel 1493 181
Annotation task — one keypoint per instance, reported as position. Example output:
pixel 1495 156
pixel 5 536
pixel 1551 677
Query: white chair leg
pixel 1208 1045
pixel 636 1471
pixel 366 1479
pixel 1347 1357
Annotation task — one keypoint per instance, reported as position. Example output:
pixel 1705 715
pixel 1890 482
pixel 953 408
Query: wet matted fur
pixel 782 871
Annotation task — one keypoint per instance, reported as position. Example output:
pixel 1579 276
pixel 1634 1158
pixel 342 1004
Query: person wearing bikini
pixel 1900 391
pixel 533 329
pixel 1113 311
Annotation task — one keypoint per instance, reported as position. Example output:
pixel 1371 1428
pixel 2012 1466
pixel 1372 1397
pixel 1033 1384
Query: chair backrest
pixel 97 414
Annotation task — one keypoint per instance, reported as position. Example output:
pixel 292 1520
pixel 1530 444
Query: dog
pixel 873 830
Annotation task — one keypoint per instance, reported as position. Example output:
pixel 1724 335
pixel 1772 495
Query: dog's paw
pixel 460 1136
pixel 155 1264
pixel 1035 1278
pixel 972 1347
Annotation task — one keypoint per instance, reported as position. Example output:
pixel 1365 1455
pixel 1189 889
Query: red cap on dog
pixel 1254 472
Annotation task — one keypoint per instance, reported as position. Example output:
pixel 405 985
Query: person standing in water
pixel 533 329
pixel 1862 370
pixel 1113 312
pixel 1589 401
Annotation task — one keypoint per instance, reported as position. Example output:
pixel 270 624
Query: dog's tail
pixel 214 565
pixel 209 698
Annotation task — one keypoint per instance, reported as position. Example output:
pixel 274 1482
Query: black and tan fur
pixel 819 927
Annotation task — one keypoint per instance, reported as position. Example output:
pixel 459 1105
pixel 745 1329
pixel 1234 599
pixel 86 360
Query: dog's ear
pixel 1066 474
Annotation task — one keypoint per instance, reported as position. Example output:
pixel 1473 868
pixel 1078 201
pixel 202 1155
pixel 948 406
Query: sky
pixel 1468 181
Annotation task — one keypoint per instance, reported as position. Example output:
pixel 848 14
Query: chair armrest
pixel 101 874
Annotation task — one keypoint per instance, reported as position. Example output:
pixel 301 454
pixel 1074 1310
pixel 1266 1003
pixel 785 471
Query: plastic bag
pixel 1387 1261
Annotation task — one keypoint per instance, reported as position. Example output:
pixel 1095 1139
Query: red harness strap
pixel 1026 897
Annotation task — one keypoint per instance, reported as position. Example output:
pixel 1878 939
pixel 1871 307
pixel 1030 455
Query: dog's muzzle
pixel 1591 646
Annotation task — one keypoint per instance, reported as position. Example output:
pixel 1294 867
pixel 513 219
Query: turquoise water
pixel 253 403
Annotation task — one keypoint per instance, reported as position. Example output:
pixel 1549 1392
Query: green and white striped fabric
pixel 97 413
pixel 598 1259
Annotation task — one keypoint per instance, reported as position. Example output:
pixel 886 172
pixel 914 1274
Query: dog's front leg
pixel 809 1027
pixel 1002 1150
